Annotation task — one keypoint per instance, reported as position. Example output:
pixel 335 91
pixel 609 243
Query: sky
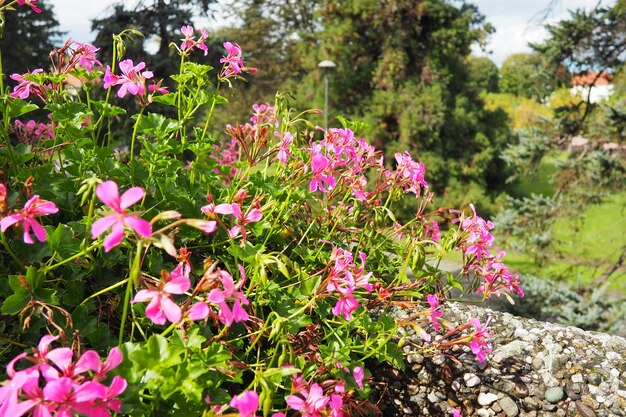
pixel 515 20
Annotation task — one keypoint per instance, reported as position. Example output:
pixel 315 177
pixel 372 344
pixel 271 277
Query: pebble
pixel 577 378
pixel 471 380
pixel 554 395
pixel 509 406
pixel 488 398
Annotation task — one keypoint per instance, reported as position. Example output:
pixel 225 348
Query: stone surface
pixel 537 369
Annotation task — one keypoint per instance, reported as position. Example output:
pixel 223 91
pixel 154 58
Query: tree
pixel 401 67
pixel 482 73
pixel 28 38
pixel 527 75
pixel 589 41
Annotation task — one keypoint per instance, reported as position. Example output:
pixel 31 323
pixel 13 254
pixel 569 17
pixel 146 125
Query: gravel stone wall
pixel 536 369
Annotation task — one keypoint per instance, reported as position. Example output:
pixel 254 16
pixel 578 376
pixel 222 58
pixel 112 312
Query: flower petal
pixel 131 196
pixel 108 193
pixel 102 225
pixel 115 238
pixel 140 226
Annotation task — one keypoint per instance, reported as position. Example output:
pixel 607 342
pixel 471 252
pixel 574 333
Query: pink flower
pixel 233 62
pixel 253 214
pixel 189 41
pixel 358 374
pixel 285 144
pixel 230 292
pixel 409 174
pixel 25 87
pixel 433 313
pixel 345 305
pixel 312 401
pixel 31 3
pixel 33 207
pixel 336 406
pixel 162 307
pixel 479 238
pixel 86 54
pixel 478 344
pixel 456 413
pixel 108 193
pixel 132 80
pixel 247 403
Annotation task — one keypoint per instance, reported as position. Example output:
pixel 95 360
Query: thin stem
pixel 71 258
pixel 133 277
pixel 208 120
pixel 132 142
pixel 102 291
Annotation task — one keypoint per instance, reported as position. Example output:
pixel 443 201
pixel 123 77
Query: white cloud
pixel 518 23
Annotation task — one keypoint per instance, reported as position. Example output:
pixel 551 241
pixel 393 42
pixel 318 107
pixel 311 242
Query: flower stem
pixel 71 258
pixel 132 143
pixel 133 278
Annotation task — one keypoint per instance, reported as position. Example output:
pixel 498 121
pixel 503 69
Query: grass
pixel 588 247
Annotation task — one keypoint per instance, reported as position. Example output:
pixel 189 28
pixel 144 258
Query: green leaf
pixel 167 99
pixel 15 303
pixel 19 107
pixel 34 278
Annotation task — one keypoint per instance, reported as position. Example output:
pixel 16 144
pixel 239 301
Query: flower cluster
pixel 478 344
pixel 342 158
pixel 57 385
pixel 408 175
pixel 26 87
pixel 311 401
pixel 345 278
pixel 498 279
pixel 189 42
pixel 226 154
pixel 232 63
pixel 133 81
pixel 218 285
pixel 32 132
pixel 34 207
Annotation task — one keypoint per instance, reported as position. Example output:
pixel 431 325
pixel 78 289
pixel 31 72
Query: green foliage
pixel 524 75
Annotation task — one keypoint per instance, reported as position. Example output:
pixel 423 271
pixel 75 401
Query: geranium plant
pixel 219 275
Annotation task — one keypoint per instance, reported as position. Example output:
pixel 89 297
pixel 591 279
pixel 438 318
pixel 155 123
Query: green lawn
pixel 588 247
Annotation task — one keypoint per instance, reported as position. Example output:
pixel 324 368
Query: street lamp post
pixel 327 66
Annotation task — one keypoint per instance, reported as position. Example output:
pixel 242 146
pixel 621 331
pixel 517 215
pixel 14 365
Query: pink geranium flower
pixel 358 374
pixel 311 402
pixel 433 312
pixel 189 41
pixel 131 81
pixel 86 54
pixel 108 193
pixel 478 344
pixel 31 3
pixel 35 206
pixel 162 307
pixel 233 61
pixel 24 87
pixel 247 403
